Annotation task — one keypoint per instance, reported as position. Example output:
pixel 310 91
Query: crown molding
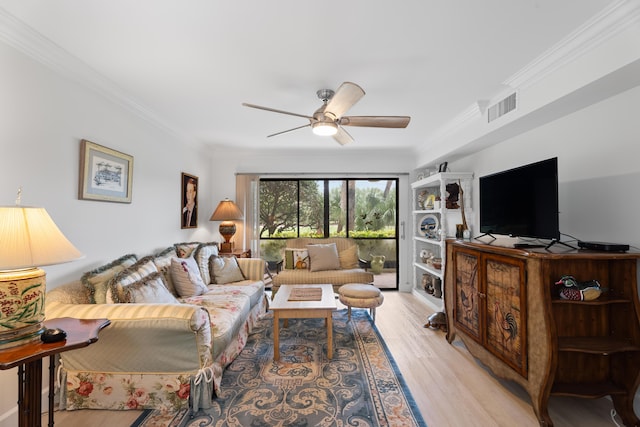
pixel 612 20
pixel 470 114
pixel 25 39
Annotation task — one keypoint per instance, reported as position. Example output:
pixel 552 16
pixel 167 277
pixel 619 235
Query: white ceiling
pixel 192 63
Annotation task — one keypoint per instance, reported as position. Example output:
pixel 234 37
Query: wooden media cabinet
pixel 502 303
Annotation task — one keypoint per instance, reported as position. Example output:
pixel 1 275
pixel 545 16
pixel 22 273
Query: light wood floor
pixel 449 386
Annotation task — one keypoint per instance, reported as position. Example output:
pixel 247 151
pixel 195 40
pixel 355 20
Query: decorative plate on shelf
pixel 428 225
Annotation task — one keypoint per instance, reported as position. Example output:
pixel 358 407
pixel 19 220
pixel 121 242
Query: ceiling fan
pixel 329 119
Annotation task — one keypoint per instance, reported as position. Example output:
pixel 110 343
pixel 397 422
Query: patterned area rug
pixel 361 386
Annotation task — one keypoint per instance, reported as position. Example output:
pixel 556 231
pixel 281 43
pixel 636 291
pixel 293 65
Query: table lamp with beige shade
pixel 227 212
pixel 29 238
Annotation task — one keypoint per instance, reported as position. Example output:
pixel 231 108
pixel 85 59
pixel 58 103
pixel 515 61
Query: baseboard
pixel 10 417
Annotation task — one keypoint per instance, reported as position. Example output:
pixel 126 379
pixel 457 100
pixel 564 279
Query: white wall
pixel 43 117
pixel 598 168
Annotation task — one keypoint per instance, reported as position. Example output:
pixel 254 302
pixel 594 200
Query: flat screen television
pixel 521 202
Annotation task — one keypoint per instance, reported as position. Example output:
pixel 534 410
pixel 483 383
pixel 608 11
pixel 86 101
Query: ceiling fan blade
pixel 276 111
pixel 345 97
pixel 288 130
pixel 342 136
pixel 376 121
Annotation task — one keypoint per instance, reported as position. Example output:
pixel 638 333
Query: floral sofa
pixel 178 318
pixel 314 261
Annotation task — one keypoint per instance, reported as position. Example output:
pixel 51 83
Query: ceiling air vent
pixel 501 108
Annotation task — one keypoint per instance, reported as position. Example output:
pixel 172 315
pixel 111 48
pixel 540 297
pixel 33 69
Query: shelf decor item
pixel 453 194
pixel 430 202
pixel 425 255
pixel 437 287
pixel 427 283
pixel 437 203
pixel 465 226
pixel 569 288
pixel 428 226
pixel 105 174
pixel 422 197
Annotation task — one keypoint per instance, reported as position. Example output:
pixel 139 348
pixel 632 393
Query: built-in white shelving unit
pixel 431 226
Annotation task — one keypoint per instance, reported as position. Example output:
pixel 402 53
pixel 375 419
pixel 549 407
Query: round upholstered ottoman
pixel 361 295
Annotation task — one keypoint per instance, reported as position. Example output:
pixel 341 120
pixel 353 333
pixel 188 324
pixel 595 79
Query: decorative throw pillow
pixel 186 277
pixel 323 257
pixel 202 254
pixel 349 258
pixel 141 269
pixel 184 250
pixel 97 281
pixel 296 259
pixel 162 260
pixel 150 289
pixel 225 269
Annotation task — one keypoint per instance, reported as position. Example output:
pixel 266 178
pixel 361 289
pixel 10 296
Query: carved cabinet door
pixel 489 304
pixel 467 294
pixel 506 316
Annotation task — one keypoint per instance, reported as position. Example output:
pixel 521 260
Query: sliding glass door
pixel 362 209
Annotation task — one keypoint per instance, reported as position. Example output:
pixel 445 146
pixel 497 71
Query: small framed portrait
pixel 189 201
pixel 105 174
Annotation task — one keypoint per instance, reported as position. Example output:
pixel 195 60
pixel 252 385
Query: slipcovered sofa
pixel 314 261
pixel 178 318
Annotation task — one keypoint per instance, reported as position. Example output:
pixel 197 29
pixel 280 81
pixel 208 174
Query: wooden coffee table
pixel 285 309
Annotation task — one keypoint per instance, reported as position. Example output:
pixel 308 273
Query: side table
pixel 238 253
pixel 28 358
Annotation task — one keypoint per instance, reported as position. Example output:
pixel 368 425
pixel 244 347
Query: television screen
pixel 521 202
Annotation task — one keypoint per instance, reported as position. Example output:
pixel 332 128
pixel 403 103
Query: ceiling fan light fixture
pixel 329 119
pixel 324 128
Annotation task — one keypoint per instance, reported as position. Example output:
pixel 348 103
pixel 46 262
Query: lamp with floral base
pixel 29 239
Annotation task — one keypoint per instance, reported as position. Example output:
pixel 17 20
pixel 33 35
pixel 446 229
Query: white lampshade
pixel 30 238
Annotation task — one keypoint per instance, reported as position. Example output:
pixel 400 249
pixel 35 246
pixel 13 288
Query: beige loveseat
pixel 347 269
pixel 168 344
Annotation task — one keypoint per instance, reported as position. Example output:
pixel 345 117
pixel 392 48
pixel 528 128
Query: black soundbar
pixel 604 246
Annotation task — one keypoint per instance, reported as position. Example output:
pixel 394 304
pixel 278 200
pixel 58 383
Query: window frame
pixel 327 207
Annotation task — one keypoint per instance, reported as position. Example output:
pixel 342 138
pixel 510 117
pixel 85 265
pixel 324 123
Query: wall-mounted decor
pixel 189 201
pixel 105 174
